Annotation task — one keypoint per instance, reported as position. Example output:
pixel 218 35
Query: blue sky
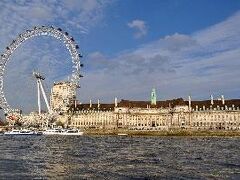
pixel 162 18
pixel 178 47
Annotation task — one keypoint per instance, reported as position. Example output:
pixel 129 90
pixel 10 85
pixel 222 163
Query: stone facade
pixel 94 119
pixel 62 95
pixel 165 118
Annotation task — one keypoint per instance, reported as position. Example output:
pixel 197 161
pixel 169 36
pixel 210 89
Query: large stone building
pixel 164 115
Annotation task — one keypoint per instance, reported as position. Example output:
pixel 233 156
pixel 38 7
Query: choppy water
pixel 115 157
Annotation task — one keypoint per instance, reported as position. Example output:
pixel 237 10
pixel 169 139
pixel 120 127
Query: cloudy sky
pixel 129 47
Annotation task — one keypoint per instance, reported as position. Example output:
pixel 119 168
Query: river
pixel 119 157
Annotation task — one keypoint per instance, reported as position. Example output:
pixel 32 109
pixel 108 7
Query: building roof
pixel 104 107
pixel 160 104
pixel 216 103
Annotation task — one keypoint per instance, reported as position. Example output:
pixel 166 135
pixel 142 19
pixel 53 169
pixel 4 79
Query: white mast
pixel 45 97
pixel 39 98
pixel 40 88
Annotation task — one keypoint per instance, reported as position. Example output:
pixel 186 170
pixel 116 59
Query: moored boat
pixel 59 131
pixel 22 132
pixel 52 131
pixel 122 134
pixel 74 132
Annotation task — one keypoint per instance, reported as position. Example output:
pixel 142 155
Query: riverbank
pixel 161 133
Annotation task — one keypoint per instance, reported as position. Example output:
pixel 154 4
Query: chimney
pixel 223 100
pixel 75 103
pixel 90 103
pixel 189 102
pixel 115 101
pixel 226 108
pixel 196 107
pixel 211 99
pixel 98 103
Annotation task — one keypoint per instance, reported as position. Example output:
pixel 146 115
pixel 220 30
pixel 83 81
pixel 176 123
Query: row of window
pixel 215 124
pixel 108 123
pixel 214 119
pixel 91 123
pixel 148 124
pixel 94 117
pixel 217 116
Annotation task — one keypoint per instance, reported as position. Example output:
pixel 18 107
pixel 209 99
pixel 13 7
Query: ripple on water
pixel 115 157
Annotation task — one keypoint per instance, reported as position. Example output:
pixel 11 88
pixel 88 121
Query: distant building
pixel 63 94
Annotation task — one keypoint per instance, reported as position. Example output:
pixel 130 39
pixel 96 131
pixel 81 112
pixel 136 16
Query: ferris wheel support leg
pixel 45 97
pixel 39 97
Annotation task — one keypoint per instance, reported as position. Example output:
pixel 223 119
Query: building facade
pixel 165 115
pixel 63 94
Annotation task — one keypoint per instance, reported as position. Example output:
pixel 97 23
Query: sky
pixel 180 48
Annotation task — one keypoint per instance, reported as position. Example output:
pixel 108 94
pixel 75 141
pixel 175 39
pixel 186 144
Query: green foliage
pixel 18 123
pixel 59 123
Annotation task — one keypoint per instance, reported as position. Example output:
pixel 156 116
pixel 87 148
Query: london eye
pixel 57 33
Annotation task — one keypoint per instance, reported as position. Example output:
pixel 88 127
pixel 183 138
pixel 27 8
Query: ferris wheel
pixel 57 33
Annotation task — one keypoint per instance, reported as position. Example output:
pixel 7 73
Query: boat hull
pixel 63 132
pixel 22 134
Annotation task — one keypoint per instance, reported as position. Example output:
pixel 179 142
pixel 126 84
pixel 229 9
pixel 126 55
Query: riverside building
pixel 158 115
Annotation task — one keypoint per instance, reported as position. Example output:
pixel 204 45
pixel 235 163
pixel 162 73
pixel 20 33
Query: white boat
pixel 22 132
pixel 58 131
pixel 122 134
pixel 74 132
pixel 52 131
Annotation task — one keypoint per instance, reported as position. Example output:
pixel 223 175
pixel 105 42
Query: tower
pixel 153 97
pixel 63 95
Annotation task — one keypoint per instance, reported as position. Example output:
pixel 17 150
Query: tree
pixel 59 123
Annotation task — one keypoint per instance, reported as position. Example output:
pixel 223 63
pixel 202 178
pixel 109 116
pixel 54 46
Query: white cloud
pixel 204 62
pixel 178 64
pixel 42 53
pixel 139 26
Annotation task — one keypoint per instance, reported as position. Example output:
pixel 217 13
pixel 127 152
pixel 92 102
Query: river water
pixel 118 157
